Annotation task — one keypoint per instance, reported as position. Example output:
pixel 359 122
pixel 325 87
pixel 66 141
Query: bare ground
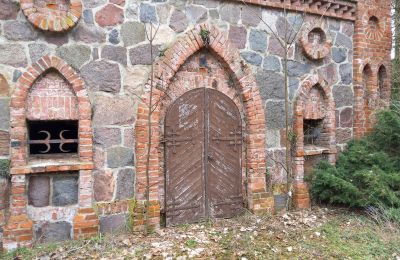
pixel 318 234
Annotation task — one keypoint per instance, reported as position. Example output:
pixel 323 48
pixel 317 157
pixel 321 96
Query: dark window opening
pixel 53 137
pixel 312 131
pixel 316 36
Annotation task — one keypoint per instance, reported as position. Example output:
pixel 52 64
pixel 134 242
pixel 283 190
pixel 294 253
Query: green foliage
pixel 368 172
pixel 205 36
pixel 4 168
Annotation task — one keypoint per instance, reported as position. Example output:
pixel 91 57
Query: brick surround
pixel 372 49
pixel 165 71
pixel 32 98
pixel 314 101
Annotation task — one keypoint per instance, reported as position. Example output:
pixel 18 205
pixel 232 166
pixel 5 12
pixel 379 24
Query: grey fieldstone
pixel 117 110
pixel 346 117
pixel 8 10
pixel 252 57
pixel 115 53
pixel 88 16
pixel 163 11
pixel 297 69
pixel 53 232
pixel 214 14
pixel 103 185
pixel 119 157
pixel 131 9
pixel 250 15
pixel 348 28
pixel 13 55
pixel 113 223
pixel 129 137
pixel 19 31
pixel 273 138
pixel 343 95
pixel 107 137
pixel 238 36
pixel 346 73
pixel 271 84
pixel 93 3
pixel 206 3
pixel 272 63
pixel 88 33
pixel 4 114
pixel 102 76
pixel 258 40
pixel 75 55
pixel 339 54
pixel 113 36
pixel 39 191
pixel 334 25
pixel 230 12
pixel 343 41
pixel 178 21
pixel 275 114
pixel 330 73
pixel 56 38
pixel 132 33
pixel 37 51
pixel 141 54
pixel 196 14
pixel 286 30
pixel 16 75
pixel 148 13
pixel 125 184
pixel 293 86
pixel 4 193
pixel 65 190
pixel 95 53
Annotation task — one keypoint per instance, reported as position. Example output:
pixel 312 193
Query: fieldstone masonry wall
pixel 105 61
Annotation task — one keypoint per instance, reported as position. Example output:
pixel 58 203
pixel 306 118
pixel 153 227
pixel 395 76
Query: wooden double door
pixel 203 151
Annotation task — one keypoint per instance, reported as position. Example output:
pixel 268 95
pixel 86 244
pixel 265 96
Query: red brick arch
pixel 301 197
pixel 165 70
pixel 18 106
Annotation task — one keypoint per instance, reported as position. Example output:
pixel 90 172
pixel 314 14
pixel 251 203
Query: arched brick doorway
pixel 174 74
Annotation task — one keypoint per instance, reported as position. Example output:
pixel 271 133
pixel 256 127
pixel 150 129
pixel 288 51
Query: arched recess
pixel 314 127
pixel 33 84
pixel 253 111
pixel 365 94
pixel 384 90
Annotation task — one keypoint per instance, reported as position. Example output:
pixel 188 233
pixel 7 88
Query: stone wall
pixel 109 50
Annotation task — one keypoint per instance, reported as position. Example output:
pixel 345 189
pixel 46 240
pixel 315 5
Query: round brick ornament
pixel 316 43
pixel 374 24
pixel 52 15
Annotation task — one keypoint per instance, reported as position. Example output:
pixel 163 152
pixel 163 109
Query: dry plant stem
pixel 150 37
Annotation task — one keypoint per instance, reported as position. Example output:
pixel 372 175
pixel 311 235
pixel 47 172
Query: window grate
pixel 53 137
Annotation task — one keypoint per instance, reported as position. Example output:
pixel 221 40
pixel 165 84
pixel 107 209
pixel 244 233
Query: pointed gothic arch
pixel 165 71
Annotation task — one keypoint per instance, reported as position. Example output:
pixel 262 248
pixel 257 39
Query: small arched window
pixel 367 78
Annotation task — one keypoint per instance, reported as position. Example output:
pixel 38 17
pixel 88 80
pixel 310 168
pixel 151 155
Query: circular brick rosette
pixel 52 15
pixel 374 25
pixel 316 42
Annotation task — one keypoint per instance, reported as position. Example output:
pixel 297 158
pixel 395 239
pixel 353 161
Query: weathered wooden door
pixel 203 147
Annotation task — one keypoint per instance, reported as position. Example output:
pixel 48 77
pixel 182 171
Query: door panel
pixel 184 142
pixel 224 181
pixel 203 147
